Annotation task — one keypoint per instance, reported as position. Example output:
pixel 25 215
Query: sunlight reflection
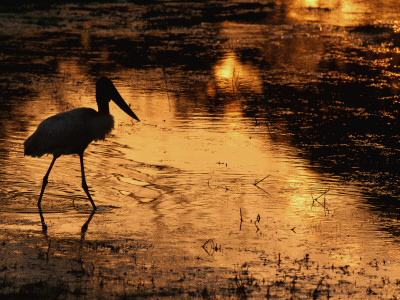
pixel 332 12
pixel 231 75
pixel 221 148
pixel 223 152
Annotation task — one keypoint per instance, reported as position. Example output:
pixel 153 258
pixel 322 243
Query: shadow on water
pixel 316 83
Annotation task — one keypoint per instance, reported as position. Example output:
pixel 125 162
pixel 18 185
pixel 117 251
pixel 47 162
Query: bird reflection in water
pixel 84 227
pixel 44 226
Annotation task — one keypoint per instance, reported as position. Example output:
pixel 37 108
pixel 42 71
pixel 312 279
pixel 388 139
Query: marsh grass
pixel 290 278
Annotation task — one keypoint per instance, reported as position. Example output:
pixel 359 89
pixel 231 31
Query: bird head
pixel 106 91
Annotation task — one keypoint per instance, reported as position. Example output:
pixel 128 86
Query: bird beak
pixel 122 105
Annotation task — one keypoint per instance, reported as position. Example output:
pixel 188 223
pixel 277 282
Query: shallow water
pixel 265 162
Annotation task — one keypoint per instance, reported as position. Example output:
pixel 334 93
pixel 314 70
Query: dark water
pixel 299 96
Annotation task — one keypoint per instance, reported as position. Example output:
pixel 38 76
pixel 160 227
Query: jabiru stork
pixel 72 131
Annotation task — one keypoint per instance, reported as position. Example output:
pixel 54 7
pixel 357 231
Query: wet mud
pixel 265 163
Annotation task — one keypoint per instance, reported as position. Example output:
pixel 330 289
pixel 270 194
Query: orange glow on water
pixel 337 12
pixel 230 74
pixel 206 163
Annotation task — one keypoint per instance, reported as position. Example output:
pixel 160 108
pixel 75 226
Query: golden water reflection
pixel 196 164
pixel 230 74
pixel 211 165
pixel 341 12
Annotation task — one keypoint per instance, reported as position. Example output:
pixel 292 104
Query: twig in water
pixel 241 219
pixel 323 204
pixel 258 229
pixel 257 220
pixel 258 181
pixel 210 247
pixel 316 292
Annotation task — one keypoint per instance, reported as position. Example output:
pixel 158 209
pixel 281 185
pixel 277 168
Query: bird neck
pixel 103 106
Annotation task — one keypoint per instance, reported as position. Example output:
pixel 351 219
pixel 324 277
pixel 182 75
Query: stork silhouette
pixel 72 131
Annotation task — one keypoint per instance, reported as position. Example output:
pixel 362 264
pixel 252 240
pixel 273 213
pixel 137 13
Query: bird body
pixel 72 131
pixel 69 132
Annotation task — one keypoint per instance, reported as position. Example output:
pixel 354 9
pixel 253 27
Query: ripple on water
pixel 232 103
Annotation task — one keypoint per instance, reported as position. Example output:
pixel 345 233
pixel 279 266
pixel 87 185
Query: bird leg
pixel 45 180
pixel 84 185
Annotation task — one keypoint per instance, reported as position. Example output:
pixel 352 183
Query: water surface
pixel 266 162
